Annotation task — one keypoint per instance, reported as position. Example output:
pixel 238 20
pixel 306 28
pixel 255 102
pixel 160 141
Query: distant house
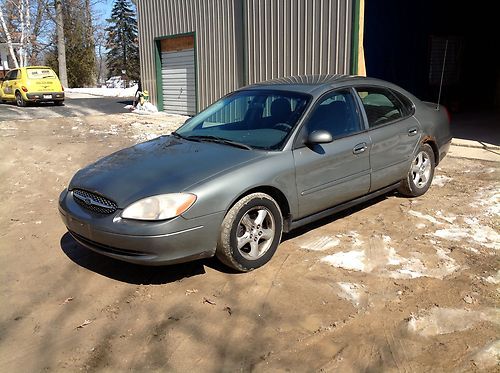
pixel 5 60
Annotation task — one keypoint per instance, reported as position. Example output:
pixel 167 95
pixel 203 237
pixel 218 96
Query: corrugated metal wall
pixel 219 65
pixel 297 37
pixel 245 41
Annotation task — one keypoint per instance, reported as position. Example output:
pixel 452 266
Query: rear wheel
pixel 59 103
pixel 20 100
pixel 250 233
pixel 420 175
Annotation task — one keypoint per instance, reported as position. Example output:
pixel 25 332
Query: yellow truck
pixel 31 84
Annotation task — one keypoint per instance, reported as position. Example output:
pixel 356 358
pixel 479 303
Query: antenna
pixel 442 74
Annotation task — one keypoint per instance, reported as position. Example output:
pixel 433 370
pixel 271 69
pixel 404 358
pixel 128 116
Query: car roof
pixel 317 84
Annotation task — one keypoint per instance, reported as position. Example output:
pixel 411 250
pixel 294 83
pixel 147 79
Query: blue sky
pixel 104 7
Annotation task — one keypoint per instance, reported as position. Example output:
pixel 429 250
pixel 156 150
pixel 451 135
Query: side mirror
pixel 319 137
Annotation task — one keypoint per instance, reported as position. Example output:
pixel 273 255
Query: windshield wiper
pixel 218 140
pixel 178 135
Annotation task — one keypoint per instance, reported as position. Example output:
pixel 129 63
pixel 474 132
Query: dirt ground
pixel 394 285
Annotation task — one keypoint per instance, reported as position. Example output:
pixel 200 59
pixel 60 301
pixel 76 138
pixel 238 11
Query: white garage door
pixel 178 80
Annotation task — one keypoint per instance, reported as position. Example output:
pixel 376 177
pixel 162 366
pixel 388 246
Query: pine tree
pixel 122 41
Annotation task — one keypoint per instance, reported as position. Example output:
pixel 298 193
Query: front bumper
pixel 150 243
pixel 45 96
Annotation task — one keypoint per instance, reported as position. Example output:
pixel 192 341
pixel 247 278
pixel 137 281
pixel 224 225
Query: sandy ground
pixel 394 285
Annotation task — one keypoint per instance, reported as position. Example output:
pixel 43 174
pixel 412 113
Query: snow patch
pixel 351 292
pixel 387 259
pixel 488 199
pixel 320 243
pixel 351 260
pixel 356 239
pixel 105 92
pixel 450 219
pixel 440 180
pixel 481 234
pixel 437 321
pixel 495 279
pixel 424 216
pixel 488 356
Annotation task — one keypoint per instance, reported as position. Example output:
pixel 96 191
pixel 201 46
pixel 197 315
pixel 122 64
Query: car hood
pixel 163 165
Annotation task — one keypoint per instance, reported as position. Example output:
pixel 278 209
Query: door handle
pixel 412 131
pixel 360 148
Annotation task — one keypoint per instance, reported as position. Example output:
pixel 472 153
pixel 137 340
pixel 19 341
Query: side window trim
pixel 390 91
pixel 399 96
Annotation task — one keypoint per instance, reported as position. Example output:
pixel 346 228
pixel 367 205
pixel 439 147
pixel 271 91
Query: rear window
pixel 40 73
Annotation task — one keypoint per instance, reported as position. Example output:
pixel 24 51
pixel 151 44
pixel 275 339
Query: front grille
pixel 94 202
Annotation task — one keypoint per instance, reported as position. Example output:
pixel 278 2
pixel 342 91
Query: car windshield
pixel 260 119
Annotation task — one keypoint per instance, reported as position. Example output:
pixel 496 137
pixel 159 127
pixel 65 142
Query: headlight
pixel 163 206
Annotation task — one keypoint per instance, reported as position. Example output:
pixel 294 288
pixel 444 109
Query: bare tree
pixel 61 46
pixel 8 38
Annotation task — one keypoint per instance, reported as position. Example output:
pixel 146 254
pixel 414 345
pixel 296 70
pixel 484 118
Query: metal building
pixel 193 52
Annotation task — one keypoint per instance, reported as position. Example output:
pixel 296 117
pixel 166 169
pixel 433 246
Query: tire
pixel 421 172
pixel 250 232
pixel 20 100
pixel 59 103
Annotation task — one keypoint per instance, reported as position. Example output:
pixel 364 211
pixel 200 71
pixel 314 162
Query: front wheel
pixel 250 233
pixel 420 175
pixel 20 100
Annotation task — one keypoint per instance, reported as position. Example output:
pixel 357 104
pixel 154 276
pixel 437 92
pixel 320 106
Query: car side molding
pixel 338 208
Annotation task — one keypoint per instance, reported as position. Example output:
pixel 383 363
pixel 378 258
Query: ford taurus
pixel 261 161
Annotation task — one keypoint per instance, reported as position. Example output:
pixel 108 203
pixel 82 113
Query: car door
pixel 394 134
pixel 332 173
pixel 7 88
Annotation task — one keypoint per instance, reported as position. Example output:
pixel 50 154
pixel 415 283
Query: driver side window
pixel 336 113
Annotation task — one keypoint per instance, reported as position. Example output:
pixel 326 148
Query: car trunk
pixel 42 80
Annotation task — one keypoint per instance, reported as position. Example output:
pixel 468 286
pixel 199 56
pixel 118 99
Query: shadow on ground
pixel 481 127
pixel 134 273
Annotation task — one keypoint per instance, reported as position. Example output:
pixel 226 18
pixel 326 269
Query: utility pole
pixel 61 44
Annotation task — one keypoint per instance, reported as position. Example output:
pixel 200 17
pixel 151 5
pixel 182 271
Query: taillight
pixel 24 89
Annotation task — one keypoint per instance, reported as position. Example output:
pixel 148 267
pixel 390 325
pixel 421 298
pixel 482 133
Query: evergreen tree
pixel 122 41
